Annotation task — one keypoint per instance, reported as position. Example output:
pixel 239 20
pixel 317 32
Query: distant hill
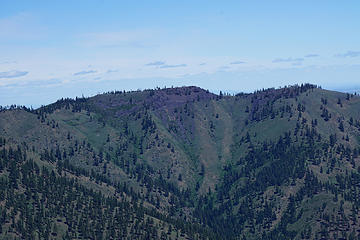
pixel 183 163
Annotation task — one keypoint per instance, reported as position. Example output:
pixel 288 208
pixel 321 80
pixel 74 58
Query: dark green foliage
pixel 180 163
pixel 53 205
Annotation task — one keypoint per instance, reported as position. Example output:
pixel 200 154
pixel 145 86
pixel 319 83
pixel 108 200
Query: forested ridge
pixel 183 163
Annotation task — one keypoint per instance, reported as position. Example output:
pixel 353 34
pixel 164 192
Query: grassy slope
pixel 208 134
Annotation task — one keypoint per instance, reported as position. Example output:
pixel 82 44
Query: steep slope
pixel 277 163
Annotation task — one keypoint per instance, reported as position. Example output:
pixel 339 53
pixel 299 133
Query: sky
pixel 55 49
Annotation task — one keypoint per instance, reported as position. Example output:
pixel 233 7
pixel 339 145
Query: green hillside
pixel 183 163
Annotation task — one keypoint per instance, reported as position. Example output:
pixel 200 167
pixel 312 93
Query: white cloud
pixel 112 71
pixel 173 66
pixel 13 74
pixel 311 55
pixel 22 26
pixel 289 59
pixel 348 54
pixel 156 63
pixel 84 72
pixel 237 62
pixel 121 39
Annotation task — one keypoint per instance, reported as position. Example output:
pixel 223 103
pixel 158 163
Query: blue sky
pixel 54 49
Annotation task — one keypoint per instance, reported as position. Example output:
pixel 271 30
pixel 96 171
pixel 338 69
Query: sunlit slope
pixel 218 160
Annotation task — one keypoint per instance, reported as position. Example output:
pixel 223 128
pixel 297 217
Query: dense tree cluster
pixel 38 203
pixel 179 163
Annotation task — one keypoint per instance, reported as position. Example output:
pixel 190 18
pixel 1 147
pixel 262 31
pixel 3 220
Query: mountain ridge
pixel 238 166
